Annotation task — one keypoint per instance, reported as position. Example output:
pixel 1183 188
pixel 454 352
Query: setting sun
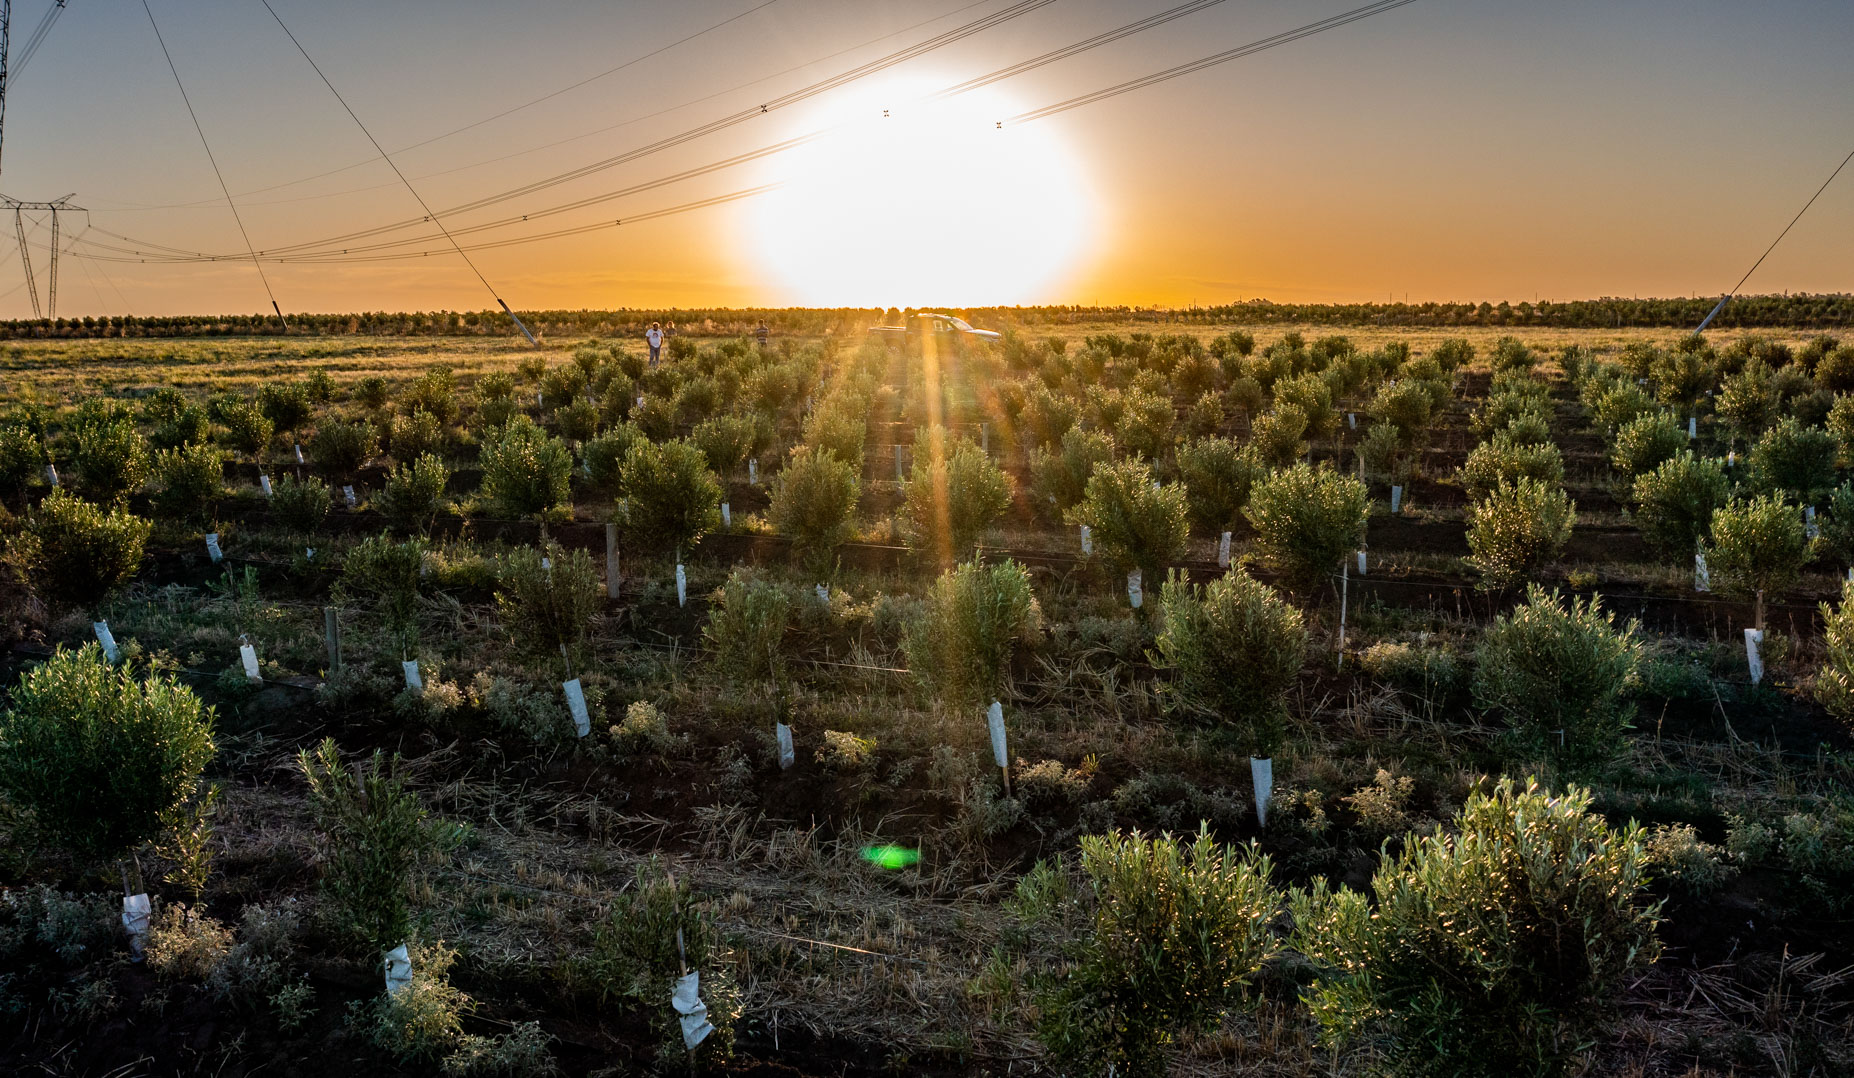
pixel 910 202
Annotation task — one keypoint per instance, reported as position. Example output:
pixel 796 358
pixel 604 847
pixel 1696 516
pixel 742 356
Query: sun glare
pixel 932 203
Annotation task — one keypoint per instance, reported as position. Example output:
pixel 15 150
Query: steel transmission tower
pixel 21 207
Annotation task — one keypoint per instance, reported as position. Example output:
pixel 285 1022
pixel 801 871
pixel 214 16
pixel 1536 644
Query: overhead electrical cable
pixel 1723 300
pixel 117 254
pixel 229 201
pixel 17 66
pixel 1195 66
pixel 804 93
pixel 1095 42
pixel 145 207
pixel 402 176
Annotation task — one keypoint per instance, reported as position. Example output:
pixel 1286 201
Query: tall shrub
pixel 1674 504
pixel 109 457
pixel 413 494
pixel 671 499
pixel 1758 548
pixel 952 499
pixel 187 481
pixel 525 472
pixel 1217 475
pixel 374 832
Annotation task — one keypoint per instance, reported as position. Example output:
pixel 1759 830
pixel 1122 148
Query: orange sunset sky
pixel 1443 149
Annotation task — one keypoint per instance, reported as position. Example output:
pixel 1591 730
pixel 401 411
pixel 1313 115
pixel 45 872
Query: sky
pixel 1450 150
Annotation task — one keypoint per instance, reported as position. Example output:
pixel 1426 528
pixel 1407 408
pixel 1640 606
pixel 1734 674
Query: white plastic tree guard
pixel 414 679
pixel 1262 775
pixel 398 970
pixel 108 640
pixel 576 706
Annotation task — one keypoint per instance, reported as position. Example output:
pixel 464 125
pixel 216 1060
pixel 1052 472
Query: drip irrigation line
pixel 1195 66
pixel 229 201
pixel 429 216
pixel 1723 300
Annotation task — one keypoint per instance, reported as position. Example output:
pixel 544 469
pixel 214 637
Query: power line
pixel 142 207
pixel 215 166
pixel 38 38
pixel 1723 300
pixel 804 93
pixel 402 176
pixel 1195 66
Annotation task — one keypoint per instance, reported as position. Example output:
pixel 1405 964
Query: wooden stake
pixel 611 561
pixel 331 628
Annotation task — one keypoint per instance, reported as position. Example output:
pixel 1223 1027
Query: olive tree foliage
pixel 1503 458
pixel 1137 523
pixel 1834 682
pixel 547 597
pixel 108 455
pixel 187 481
pixel 746 629
pixel 526 473
pixel 1059 479
pixel 814 500
pixel 1494 947
pixel 1675 502
pixel 1643 443
pixel 1305 520
pixel 1165 938
pixel 73 552
pixel 1556 671
pixel 1217 476
pixel 671 499
pixel 22 458
pixel 1795 461
pixel 413 494
pixel 385 576
pixel 1516 529
pixel 975 618
pixel 1758 548
pixel 953 497
pixel 102 758
pixel 341 448
pixel 375 832
pixel 1234 649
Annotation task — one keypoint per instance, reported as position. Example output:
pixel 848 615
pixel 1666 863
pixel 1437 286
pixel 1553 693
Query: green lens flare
pixel 891 856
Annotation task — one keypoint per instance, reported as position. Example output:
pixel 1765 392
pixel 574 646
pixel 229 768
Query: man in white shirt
pixel 654 336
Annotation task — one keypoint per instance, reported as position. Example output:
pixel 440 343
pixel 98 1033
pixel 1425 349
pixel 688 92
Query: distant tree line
pixel 1786 311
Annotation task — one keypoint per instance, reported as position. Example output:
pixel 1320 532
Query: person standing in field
pixel 654 337
pixel 761 333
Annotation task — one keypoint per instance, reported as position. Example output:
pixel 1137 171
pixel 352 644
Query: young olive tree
pixel 814 503
pixel 1234 650
pixel 413 494
pixel 110 458
pixel 188 480
pixel 525 472
pixel 1758 548
pixel 1643 443
pixel 671 499
pixel 72 552
pixel 1794 461
pixel 1167 937
pixel 547 598
pixel 1834 682
pixel 385 576
pixel 746 630
pixel 1218 475
pixel 1059 479
pixel 375 832
pixel 1517 529
pixel 1674 504
pixel 975 618
pixel 1137 523
pixel 102 758
pixel 953 498
pixel 1494 947
pixel 1305 520
pixel 1556 672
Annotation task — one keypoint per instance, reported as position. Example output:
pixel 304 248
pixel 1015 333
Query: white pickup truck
pixel 919 325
